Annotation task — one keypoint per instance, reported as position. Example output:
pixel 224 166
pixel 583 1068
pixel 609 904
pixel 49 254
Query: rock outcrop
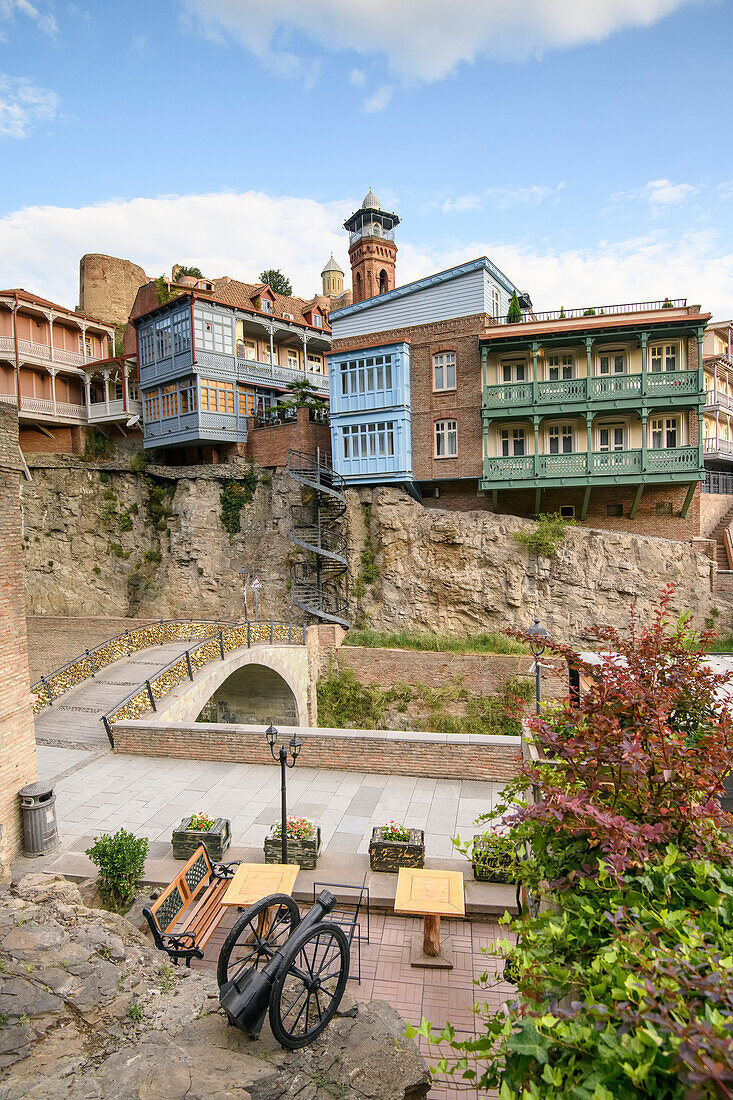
pixel 105 540
pixel 88 1009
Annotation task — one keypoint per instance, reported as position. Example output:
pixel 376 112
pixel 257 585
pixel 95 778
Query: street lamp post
pixel 294 745
pixel 537 639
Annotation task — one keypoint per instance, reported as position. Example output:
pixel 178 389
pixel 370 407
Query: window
pixel 370 375
pixel 315 363
pixel 495 302
pixel 147 352
pixel 85 345
pixel 446 438
pixel 560 438
pixel 444 371
pixel 614 509
pixel 512 441
pixel 188 395
pixel 665 433
pixel 152 406
pixel 247 349
pixel 292 359
pixel 247 401
pixel 369 440
pixel 612 362
pixel 663 508
pixel 662 357
pixel 560 366
pixel 317 320
pixel 611 437
pixel 133 391
pixel 181 333
pixel 513 370
pixel 213 331
pixel 169 401
pixel 567 511
pixel 217 396
pixel 265 305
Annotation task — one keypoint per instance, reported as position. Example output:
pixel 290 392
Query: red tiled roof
pixel 34 299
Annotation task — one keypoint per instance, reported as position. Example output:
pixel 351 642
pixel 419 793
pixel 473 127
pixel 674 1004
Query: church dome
pixel 332 266
pixel 370 201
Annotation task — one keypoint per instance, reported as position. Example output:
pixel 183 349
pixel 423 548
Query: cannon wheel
pixel 309 985
pixel 256 936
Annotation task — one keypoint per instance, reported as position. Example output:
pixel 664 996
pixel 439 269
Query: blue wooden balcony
pixel 596 468
pixel 615 391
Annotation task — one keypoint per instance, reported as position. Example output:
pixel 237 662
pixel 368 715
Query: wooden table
pixel 432 895
pixel 253 881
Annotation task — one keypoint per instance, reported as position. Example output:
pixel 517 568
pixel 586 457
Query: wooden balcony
pixel 608 391
pixel 595 468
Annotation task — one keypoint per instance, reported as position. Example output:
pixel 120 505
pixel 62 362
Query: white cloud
pixel 499 197
pixel 378 100
pixel 658 193
pixel 461 204
pixel 357 78
pixel 240 234
pixel 426 39
pixel 23 104
pixel 44 20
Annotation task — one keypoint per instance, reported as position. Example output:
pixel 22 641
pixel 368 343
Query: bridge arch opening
pixel 253 695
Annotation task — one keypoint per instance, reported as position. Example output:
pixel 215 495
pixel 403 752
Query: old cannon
pixel 297 968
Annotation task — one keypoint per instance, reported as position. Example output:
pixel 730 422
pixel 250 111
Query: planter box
pixel 216 840
pixel 390 855
pixel 303 852
pixel 489 863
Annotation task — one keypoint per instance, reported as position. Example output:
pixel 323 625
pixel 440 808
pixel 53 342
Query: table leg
pixel 431 936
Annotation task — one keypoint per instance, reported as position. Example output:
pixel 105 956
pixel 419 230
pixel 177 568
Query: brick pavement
pixel 440 996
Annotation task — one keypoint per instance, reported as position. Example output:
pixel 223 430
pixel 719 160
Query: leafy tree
pixel 625 971
pixel 194 272
pixel 276 281
pixel 515 310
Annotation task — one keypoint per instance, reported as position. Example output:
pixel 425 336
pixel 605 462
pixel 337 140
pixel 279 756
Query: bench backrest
pixel 190 881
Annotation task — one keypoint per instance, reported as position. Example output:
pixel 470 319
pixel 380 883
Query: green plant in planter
pixel 494 856
pixel 514 313
pixel 121 862
pixel 394 831
pixel 201 822
pixel 298 828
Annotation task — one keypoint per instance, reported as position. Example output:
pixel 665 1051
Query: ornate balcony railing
pixel 711 445
pixel 595 464
pixel 185 667
pixel 586 312
pixel 715 398
pixel 28 349
pixel 596 389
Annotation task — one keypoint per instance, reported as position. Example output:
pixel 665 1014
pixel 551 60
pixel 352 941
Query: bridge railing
pixel 185 667
pixel 91 661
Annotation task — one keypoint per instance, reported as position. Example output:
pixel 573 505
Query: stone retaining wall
pixel 429 755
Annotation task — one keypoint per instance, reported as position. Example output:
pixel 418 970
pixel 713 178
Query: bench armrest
pixel 225 870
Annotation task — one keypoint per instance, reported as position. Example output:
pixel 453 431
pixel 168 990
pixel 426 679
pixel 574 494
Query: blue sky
pixel 582 144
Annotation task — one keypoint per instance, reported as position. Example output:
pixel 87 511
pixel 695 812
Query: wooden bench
pixel 188 912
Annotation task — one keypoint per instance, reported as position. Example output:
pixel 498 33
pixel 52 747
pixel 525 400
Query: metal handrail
pixel 44 689
pixel 143 697
pixel 529 317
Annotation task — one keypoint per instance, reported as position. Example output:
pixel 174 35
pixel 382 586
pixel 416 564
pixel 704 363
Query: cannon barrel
pixel 246 999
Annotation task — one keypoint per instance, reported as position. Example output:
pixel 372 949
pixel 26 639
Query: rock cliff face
pixel 104 540
pixel 90 1009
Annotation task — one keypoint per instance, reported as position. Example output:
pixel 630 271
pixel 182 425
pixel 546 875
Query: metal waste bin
pixel 40 830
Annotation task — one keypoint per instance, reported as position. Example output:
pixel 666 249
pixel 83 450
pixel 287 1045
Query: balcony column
pixel 536 426
pixel 51 317
pixel 643 414
pixel 700 440
pixel 52 372
pixel 125 386
pixel 717 429
pixel 589 444
pixel 105 375
pixel 700 371
pixel 644 338
pixel 305 352
pixel 535 350
pixel 88 393
pixel 272 349
pixel 588 363
pixel 84 343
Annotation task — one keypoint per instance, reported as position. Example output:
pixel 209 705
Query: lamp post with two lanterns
pixel 537 640
pixel 294 746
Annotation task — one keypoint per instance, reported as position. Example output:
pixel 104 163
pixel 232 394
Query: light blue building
pixel 371 434
pixel 209 362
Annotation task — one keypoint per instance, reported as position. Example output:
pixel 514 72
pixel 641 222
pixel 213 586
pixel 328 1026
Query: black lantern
pixel 538 637
pixel 294 745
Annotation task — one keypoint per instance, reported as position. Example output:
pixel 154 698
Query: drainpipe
pixel 17 356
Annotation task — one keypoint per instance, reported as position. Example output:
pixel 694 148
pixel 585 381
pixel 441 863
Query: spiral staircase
pixel 315 529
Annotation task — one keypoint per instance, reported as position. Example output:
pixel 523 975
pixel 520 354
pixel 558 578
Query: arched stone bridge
pixel 252 673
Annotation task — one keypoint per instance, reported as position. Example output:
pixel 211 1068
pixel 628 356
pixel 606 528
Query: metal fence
pixel 717 482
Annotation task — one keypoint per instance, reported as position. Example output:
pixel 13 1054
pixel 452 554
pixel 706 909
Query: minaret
pixel 372 250
pixel 332 278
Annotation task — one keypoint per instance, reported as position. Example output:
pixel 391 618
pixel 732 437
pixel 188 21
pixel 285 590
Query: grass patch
pixel 722 644
pixel 547 535
pixel 490 642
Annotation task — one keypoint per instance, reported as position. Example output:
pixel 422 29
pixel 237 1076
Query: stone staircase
pixel 718 534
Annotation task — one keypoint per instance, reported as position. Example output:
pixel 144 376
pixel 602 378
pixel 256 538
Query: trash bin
pixel 40 831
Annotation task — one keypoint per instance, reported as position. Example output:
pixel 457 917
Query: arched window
pixel 383 283
pixel 358 286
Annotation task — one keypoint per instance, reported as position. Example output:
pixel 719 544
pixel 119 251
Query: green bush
pixel 547 535
pixel 125 520
pixel 490 642
pixel 120 859
pixel 345 703
pixel 589 312
pixel 139 462
pixel 153 556
pixel 234 495
pixel 96 446
pixel 494 856
pixel 514 313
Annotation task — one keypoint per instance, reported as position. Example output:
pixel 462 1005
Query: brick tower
pixel 372 250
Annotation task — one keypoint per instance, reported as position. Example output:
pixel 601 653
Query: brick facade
pixel 269 446
pixel 369 258
pixel 430 755
pixel 17 740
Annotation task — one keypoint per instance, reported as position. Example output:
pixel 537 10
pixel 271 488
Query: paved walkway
pixel 74 720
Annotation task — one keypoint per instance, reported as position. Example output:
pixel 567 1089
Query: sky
pixel 582 145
